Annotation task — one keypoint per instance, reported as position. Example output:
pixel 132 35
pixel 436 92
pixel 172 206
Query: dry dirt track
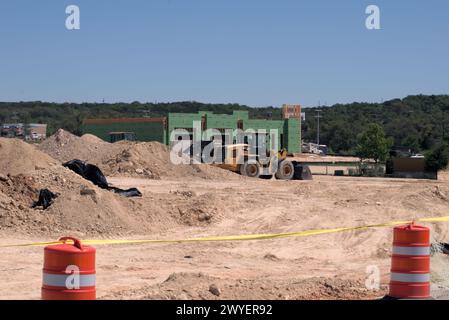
pixel 318 267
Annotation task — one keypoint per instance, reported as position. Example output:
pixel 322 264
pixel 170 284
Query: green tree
pixel 438 158
pixel 372 144
pixel 26 119
pixel 411 141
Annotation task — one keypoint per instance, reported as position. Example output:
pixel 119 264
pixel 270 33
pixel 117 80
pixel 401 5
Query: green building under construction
pixel 160 129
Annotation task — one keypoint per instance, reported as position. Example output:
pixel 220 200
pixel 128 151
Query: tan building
pixel 291 111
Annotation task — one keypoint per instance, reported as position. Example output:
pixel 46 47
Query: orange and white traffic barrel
pixel 410 267
pixel 69 271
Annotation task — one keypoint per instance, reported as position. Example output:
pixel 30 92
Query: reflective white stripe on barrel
pixel 411 251
pixel 60 280
pixel 407 277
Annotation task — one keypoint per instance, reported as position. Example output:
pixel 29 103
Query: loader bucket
pixel 302 172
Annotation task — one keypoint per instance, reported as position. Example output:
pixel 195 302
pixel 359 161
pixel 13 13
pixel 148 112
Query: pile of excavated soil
pixel 90 138
pixel 82 208
pixel 95 212
pixel 152 159
pixel 65 146
pixel 145 159
pixel 199 286
pixel 18 157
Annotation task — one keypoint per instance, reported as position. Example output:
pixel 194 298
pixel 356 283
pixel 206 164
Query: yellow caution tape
pixel 247 237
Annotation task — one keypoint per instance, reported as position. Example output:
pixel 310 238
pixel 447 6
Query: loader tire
pixel 285 171
pixel 251 170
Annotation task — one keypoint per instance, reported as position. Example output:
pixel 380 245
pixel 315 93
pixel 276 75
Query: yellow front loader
pixel 237 158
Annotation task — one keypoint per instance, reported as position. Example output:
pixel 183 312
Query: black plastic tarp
pixel 45 199
pixel 93 173
pixel 88 172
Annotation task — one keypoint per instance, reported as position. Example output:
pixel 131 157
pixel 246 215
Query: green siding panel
pixel 293 127
pixel 289 130
pixel 147 131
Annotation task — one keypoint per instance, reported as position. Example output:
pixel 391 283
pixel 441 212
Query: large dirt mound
pixel 65 146
pixel 152 159
pixel 90 138
pixel 18 157
pixel 146 159
pixel 79 208
pixel 82 209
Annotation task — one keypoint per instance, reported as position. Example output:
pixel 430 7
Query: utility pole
pixel 318 117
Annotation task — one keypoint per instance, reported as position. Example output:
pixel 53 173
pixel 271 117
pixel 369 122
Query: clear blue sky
pixel 255 52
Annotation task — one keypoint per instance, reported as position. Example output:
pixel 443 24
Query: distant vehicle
pixel 401 152
pixel 405 152
pixel 308 147
pixel 324 149
pixel 418 156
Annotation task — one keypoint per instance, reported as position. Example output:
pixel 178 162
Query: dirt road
pixel 332 266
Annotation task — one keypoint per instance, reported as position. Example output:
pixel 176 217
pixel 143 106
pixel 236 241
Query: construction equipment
pixel 238 158
pixel 313 148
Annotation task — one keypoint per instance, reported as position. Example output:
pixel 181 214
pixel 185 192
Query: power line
pixel 318 117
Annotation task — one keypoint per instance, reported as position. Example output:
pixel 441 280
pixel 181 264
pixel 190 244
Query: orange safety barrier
pixel 69 272
pixel 410 267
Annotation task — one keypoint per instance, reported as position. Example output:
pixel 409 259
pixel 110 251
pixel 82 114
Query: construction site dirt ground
pixel 330 266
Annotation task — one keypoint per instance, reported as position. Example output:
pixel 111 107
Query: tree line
pixel 420 122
